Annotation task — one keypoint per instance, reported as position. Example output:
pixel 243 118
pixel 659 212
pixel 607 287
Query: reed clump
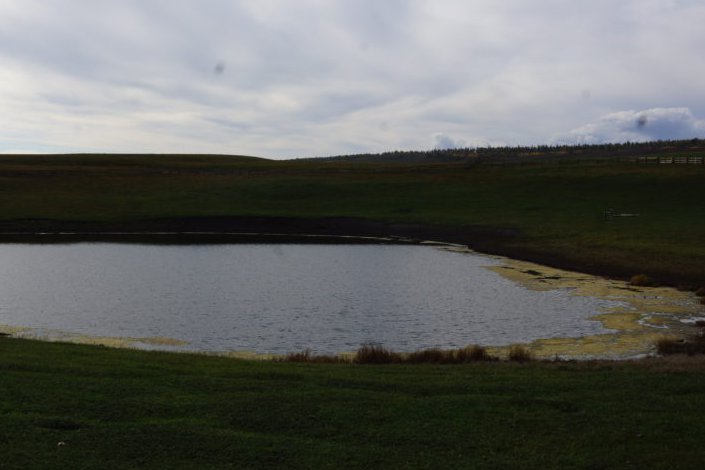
pixel 377 354
pixel 301 356
pixel 518 353
pixel 474 353
pixel 464 355
pixel 430 356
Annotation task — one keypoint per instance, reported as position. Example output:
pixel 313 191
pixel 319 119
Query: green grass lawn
pixel 129 409
pixel 71 406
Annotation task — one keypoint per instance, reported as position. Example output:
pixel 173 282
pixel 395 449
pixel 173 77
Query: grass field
pixel 72 406
pixel 556 210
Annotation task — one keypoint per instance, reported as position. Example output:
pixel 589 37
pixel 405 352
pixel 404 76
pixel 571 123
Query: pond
pixel 275 299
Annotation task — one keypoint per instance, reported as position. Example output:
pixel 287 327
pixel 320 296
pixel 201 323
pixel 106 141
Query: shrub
pixel 642 280
pixel 518 353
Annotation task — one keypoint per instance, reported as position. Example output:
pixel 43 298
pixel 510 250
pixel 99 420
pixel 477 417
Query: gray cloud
pixel 637 126
pixel 280 79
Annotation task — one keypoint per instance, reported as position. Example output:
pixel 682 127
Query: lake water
pixel 281 298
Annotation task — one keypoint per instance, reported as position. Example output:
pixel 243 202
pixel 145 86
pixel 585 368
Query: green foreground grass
pixel 75 406
pixel 556 209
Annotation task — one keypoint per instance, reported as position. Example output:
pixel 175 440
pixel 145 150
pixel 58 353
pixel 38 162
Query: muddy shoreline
pixel 489 240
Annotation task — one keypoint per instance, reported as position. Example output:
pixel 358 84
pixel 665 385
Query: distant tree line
pixel 626 149
pixel 596 150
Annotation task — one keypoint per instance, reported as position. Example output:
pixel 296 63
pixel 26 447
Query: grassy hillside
pixel 70 406
pixel 555 209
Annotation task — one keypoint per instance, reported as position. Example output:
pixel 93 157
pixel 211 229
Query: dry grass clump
pixel 642 280
pixel 449 356
pixel 518 353
pixel 301 356
pixel 473 353
pixel 669 345
pixel 376 354
pixel 307 356
pixel 430 356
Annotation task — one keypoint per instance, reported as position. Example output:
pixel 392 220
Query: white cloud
pixel 444 142
pixel 637 126
pixel 280 79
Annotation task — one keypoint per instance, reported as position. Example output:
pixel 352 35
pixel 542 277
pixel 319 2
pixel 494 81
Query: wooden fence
pixel 671 160
pixel 587 160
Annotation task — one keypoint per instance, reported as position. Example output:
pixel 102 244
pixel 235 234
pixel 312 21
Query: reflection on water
pixel 282 298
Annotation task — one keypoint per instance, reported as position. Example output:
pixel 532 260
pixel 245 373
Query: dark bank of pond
pixel 279 298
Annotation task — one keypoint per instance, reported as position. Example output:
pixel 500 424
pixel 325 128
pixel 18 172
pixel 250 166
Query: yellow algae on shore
pixel 248 355
pixel 645 313
pixel 11 330
pixel 79 338
pixel 161 341
pixel 125 342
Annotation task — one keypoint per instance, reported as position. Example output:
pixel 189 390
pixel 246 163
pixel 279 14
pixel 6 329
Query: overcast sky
pixel 299 78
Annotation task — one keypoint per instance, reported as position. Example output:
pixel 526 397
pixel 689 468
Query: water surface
pixel 282 298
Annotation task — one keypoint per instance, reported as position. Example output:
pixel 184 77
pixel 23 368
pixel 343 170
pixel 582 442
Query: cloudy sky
pixel 299 78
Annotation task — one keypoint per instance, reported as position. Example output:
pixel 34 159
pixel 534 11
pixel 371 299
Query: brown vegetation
pixel 307 356
pixel 671 345
pixel 452 356
pixel 473 353
pixel 518 353
pixel 642 280
pixel 377 354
